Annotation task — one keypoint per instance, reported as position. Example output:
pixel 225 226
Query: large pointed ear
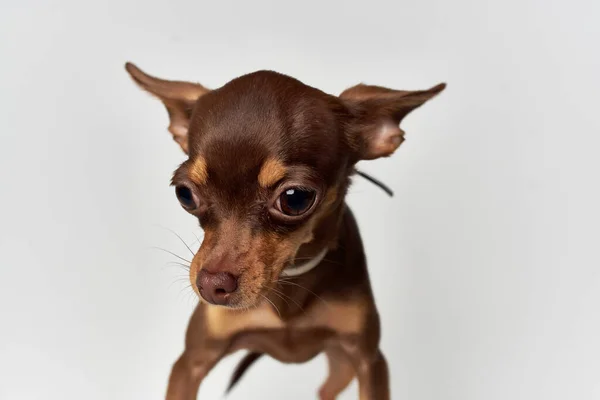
pixel 178 97
pixel 376 113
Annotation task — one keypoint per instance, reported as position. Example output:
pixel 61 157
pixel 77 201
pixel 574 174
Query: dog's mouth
pixel 254 291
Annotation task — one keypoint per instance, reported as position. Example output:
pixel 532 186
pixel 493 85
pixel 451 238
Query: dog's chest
pixel 341 317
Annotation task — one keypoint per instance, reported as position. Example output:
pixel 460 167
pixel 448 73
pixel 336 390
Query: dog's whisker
pixel 197 238
pixel 192 297
pixel 302 287
pixel 182 292
pixel 182 241
pixel 182 267
pixel 171 253
pixel 289 297
pixel 177 263
pixel 284 296
pixel 281 297
pixel 184 288
pixel 273 304
pixel 179 237
pixel 178 280
pixel 190 294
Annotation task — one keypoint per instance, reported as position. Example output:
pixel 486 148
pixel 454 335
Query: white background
pixel 485 265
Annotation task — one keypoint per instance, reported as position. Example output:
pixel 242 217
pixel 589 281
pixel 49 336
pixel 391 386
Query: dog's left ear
pixel 178 97
pixel 376 113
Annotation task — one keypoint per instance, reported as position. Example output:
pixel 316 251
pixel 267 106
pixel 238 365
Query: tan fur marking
pixel 271 171
pixel 224 322
pixel 198 172
pixel 330 198
pixel 343 317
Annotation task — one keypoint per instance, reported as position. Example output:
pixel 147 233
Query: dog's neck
pixel 325 238
pixel 303 268
pixel 341 270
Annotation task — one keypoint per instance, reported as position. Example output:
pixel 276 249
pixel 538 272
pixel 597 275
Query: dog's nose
pixel 216 287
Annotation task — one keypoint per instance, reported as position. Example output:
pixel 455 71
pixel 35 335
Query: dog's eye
pixel 295 201
pixel 186 197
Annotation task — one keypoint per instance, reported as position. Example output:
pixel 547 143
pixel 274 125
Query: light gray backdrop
pixel 485 265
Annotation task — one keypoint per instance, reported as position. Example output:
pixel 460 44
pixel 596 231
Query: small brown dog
pixel 281 269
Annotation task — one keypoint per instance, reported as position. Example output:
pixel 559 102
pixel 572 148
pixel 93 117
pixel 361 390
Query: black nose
pixel 216 287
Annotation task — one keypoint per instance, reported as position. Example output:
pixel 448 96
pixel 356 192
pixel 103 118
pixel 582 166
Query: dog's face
pixel 268 161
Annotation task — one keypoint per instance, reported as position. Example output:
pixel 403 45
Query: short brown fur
pixel 247 143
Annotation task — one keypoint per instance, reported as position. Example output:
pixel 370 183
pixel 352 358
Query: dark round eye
pixel 295 201
pixel 186 197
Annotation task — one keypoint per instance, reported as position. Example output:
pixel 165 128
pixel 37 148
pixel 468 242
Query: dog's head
pixel 269 160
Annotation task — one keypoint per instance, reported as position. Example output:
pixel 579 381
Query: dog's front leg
pixel 369 362
pixel 373 380
pixel 201 354
pixel 341 373
pixel 190 369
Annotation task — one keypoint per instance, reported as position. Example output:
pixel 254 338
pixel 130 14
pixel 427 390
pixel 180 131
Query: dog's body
pixel 327 309
pixel 281 266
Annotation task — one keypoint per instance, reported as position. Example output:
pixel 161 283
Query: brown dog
pixel 281 269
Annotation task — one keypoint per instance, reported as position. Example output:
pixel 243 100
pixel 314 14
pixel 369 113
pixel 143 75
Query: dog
pixel 281 269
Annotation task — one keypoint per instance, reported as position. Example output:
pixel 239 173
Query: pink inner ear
pixel 384 140
pixel 179 132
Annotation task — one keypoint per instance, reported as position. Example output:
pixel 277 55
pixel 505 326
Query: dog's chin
pixel 256 291
pixel 251 299
pixel 241 300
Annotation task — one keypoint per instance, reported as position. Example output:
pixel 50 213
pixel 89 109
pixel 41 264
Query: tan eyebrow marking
pixel 271 171
pixel 198 172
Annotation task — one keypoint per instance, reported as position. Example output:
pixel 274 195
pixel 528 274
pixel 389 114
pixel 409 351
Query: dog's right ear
pixel 377 112
pixel 178 97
